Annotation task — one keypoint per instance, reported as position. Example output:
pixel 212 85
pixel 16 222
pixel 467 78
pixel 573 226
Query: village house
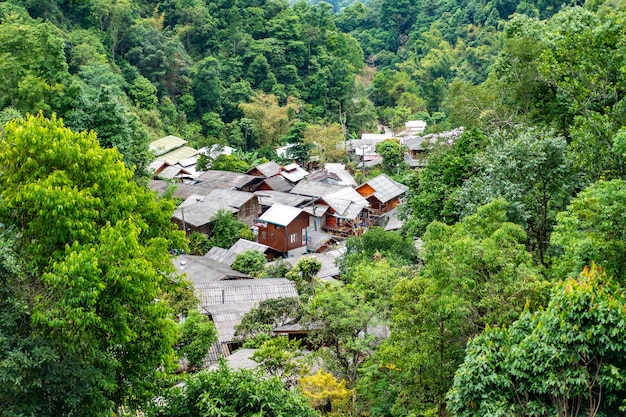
pixel 382 193
pixel 284 228
pixel 196 213
pixel 227 256
pixel 247 204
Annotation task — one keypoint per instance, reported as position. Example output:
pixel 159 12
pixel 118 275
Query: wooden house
pixel 345 211
pixel 247 204
pixel 267 170
pixel 284 228
pixel 382 193
pixel 196 213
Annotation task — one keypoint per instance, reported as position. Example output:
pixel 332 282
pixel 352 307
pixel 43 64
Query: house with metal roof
pixel 166 144
pixel 226 302
pixel 315 188
pixel 227 256
pixel 276 183
pixel 247 204
pixel 345 211
pixel 268 198
pixel 267 170
pixel 196 213
pixel 283 228
pixel 382 193
pixel 293 172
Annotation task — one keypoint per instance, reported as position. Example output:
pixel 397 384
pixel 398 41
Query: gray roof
pixel 324 176
pixel 394 223
pixel 201 270
pixel 269 197
pixel 386 188
pixel 346 203
pixel 341 171
pixel 228 301
pixel 227 257
pixel 200 213
pixel 315 188
pixel 293 173
pixel 316 239
pixel 177 155
pixel 280 214
pixel 268 169
pixel 227 179
pixel 241 359
pixel 371 163
pixel 416 143
pixel 279 183
pixel 231 198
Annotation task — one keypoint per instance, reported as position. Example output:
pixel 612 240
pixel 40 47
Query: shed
pixel 196 215
pixel 293 172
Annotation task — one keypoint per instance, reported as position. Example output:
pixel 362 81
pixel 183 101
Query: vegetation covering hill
pixel 515 302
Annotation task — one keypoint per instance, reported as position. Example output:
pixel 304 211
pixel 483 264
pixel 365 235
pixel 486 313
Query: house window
pixel 293 238
pixel 263 235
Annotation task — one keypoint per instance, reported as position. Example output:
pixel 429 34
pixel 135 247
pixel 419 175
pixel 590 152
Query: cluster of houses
pixel 292 213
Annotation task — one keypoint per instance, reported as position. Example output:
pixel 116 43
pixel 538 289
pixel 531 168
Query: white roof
pixel 415 124
pixel 294 174
pixel 341 172
pixel 377 136
pixel 280 214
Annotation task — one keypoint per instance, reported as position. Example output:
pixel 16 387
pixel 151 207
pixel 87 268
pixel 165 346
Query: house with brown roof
pixel 284 229
pixel 382 193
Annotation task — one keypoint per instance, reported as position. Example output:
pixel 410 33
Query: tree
pixel 267 315
pixel 327 141
pixel 532 171
pixel 226 230
pixel 432 195
pixel 94 246
pixel 592 230
pixel 565 360
pixel 197 333
pixel 304 273
pixel 250 262
pixel 393 155
pixel 230 393
pixel 270 119
pixel 283 358
pixel 476 273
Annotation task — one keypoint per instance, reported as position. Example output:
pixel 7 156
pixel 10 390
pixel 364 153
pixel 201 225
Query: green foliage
pixel 304 273
pixel 250 262
pixel 198 243
pixel 377 243
pixel 277 269
pixel 231 393
pixel 283 358
pixel 564 358
pixel 532 171
pixel 229 163
pixel 226 230
pixel 592 230
pixel 393 155
pixel 95 246
pixel 476 273
pixel 432 193
pixel 196 335
pixel 267 315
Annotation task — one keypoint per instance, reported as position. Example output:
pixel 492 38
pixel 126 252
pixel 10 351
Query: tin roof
pixel 270 197
pixel 386 188
pixel 340 170
pixel 268 169
pixel 315 188
pixel 200 213
pixel 226 179
pixel 166 144
pixel 201 270
pixel 179 154
pixel 293 172
pixel 280 214
pixel 171 172
pixel 279 183
pixel 227 257
pixel 346 203
pixel 232 198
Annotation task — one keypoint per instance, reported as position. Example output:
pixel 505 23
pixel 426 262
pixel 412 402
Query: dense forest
pixel 502 295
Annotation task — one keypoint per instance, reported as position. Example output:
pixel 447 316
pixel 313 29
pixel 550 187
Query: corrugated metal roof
pixel 280 214
pixel 232 198
pixel 315 188
pixel 295 174
pixel 346 202
pixel 316 210
pixel 226 179
pixel 386 188
pixel 166 144
pixel 270 197
pixel 171 172
pixel 200 270
pixel 227 257
pixel 179 154
pixel 341 171
pixel 228 301
pixel 279 183
pixel 268 169
pixel 200 213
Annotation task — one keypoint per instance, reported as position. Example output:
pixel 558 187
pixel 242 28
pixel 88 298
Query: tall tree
pixel 95 249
